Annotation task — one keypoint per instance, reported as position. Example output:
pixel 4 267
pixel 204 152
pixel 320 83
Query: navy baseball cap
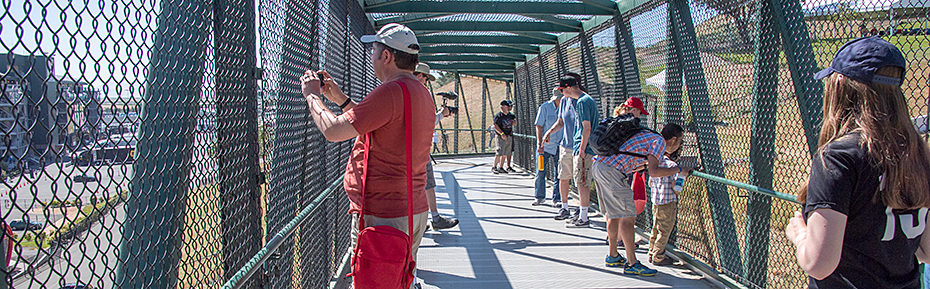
pixel 861 57
pixel 506 102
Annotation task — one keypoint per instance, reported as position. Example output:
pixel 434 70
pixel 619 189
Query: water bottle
pixel 540 164
pixel 679 183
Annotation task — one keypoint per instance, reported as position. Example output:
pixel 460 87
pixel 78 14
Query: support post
pixel 761 151
pixel 455 133
pixel 237 127
pixel 673 74
pixel 484 112
pixel 708 142
pixel 800 56
pixel 590 69
pixel 156 206
pixel 627 53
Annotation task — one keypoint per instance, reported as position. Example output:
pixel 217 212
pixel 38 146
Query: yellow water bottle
pixel 540 165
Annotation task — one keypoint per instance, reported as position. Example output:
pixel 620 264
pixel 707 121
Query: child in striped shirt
pixel 664 197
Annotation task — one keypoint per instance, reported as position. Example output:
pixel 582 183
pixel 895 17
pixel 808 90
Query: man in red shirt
pixel 381 113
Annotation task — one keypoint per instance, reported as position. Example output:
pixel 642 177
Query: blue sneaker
pixel 614 261
pixel 639 269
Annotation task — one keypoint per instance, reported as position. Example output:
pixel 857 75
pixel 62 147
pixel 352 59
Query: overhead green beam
pixel 472 67
pixel 573 24
pixel 483 39
pixel 404 19
pixel 602 4
pixel 510 26
pixel 479 49
pixel 468 58
pixel 485 7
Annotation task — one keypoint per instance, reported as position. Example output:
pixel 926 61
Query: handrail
pixel 741 185
pixel 463 129
pixel 745 186
pixel 262 255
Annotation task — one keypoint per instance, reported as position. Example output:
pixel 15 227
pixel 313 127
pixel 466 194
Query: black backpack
pixel 613 132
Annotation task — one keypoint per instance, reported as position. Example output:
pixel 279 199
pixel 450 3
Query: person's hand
pixel 328 84
pixel 545 138
pixel 504 136
pixel 445 111
pixel 581 154
pixel 796 227
pixel 309 84
pixel 539 149
pixel 686 171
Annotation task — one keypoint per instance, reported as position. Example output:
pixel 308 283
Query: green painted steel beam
pixel 466 58
pixel 573 24
pixel 483 39
pixel 509 26
pixel 527 49
pixel 156 207
pixel 473 66
pixel 801 62
pixel 708 140
pixel 486 7
pixel 407 18
pixel 761 150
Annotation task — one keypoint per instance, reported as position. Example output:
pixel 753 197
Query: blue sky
pixel 109 51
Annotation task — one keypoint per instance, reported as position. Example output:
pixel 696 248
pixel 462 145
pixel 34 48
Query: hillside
pixel 470 108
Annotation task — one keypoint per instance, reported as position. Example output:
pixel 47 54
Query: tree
pixel 741 11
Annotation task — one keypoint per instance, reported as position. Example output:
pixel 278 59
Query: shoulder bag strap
pixel 361 214
pixel 408 126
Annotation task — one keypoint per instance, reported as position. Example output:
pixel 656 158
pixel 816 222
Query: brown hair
pixel 403 60
pixel 879 113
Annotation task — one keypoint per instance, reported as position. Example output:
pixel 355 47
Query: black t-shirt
pixel 878 247
pixel 505 122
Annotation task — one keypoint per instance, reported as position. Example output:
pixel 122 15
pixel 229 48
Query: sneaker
pixel 556 204
pixel 614 261
pixel 502 170
pixel 665 262
pixel 417 286
pixel 440 223
pixel 540 203
pixel 578 223
pixel 563 214
pixel 510 169
pixel 639 269
pixel 573 217
pixel 495 170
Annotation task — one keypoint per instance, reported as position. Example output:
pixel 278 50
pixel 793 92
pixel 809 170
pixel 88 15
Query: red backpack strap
pixel 408 132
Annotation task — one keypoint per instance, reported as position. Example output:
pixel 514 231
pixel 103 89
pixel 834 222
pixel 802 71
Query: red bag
pixel 383 255
pixel 639 191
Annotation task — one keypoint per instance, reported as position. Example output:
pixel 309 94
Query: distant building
pixel 45 113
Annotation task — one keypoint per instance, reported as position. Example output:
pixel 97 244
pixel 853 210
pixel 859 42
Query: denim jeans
pixel 550 163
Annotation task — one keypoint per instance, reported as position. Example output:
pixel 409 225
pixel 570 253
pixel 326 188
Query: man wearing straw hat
pixel 438 222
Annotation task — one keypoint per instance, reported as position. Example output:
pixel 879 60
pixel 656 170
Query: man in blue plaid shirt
pixel 615 197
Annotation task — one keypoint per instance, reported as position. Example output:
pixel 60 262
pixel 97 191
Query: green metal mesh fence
pixel 738 76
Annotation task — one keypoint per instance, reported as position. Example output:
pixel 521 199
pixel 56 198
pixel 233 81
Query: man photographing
pixel 438 222
pixel 381 114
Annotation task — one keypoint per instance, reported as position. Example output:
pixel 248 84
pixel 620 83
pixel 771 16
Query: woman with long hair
pixel 865 204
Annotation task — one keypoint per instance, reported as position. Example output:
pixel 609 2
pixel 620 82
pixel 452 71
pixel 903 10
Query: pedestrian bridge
pixel 225 182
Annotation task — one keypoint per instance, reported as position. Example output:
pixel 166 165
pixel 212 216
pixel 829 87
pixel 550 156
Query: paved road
pixel 92 257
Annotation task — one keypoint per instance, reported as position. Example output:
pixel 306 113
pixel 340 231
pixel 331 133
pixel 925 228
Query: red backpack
pixel 383 254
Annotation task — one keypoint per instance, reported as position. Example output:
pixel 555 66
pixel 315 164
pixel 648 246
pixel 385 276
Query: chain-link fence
pixel 738 76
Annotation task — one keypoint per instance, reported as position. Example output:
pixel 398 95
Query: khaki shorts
pixel 614 195
pixel 504 146
pixel 565 163
pixel 582 175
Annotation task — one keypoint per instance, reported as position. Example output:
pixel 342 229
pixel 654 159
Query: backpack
pixel 613 132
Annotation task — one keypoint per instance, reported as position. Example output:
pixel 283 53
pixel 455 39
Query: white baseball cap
pixel 424 69
pixel 395 36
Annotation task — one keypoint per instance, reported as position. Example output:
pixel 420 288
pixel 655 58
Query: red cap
pixel 635 102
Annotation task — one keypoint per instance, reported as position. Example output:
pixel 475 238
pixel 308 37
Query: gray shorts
pixel 430 179
pixel 614 195
pixel 504 146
